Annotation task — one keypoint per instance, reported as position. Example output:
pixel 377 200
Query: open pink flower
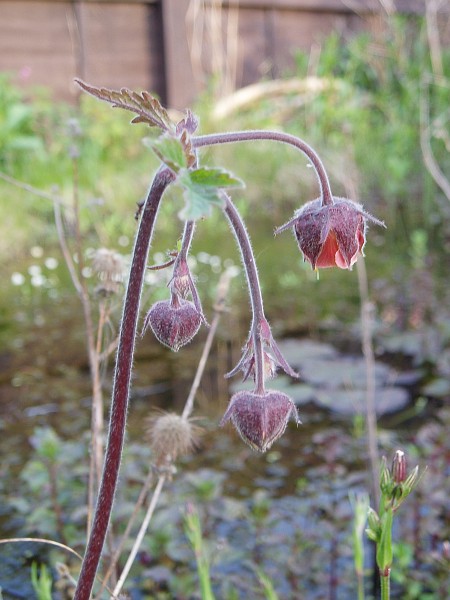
pixel 330 235
pixel 260 419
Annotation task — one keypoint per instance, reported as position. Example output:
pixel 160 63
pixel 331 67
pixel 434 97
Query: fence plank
pixel 180 84
pixel 48 43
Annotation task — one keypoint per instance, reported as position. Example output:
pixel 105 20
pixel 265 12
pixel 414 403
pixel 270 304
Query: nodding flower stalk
pixel 121 387
pixel 330 231
pixel 254 288
pixel 259 416
pixel 175 322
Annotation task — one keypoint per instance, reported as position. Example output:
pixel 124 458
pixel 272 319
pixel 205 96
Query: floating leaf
pixel 148 108
pixel 350 402
pixel 202 189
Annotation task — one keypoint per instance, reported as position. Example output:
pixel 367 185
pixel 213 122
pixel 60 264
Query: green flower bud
pixel 374 530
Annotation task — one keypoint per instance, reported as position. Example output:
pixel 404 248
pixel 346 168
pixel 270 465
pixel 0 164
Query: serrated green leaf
pixel 214 178
pixel 202 191
pixel 170 150
pixel 199 202
pixel 148 108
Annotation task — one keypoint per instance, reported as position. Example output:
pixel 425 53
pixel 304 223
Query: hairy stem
pixel 248 260
pixel 121 385
pixel 188 234
pixel 119 548
pixel 275 136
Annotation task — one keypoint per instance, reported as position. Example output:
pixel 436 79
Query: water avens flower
pixel 174 322
pixel 171 436
pixel 330 235
pixel 260 419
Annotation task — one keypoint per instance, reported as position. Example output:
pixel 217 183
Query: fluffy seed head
pixel 108 265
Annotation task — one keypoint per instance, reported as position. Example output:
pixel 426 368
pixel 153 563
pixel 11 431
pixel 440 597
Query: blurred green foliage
pixel 42 582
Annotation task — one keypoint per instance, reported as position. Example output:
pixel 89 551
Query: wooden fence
pixel 173 47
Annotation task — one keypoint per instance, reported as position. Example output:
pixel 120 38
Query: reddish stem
pixel 248 260
pixel 121 387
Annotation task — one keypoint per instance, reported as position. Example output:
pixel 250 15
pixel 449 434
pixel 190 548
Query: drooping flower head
pixel 174 322
pixel 260 419
pixel 330 235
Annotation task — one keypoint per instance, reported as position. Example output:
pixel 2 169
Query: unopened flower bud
pixel 260 419
pixel 399 467
pixel 174 322
pixel 385 479
pixel 374 525
pixel 412 480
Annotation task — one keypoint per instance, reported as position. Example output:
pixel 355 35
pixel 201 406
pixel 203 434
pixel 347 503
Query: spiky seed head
pixel 171 436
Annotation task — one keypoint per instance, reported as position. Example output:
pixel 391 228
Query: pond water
pixel 285 513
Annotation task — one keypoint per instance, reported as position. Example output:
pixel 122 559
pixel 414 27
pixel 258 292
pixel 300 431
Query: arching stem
pixel 275 136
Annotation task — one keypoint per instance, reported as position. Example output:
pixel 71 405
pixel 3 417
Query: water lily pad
pixel 417 344
pixel 351 402
pixel 297 351
pixel 343 371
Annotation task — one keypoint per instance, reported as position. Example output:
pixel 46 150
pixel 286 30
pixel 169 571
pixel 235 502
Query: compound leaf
pixel 147 108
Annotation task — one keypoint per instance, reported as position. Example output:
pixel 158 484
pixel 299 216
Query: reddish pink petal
pixel 328 254
pixel 340 260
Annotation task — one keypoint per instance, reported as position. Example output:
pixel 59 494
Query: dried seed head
pixel 171 436
pixel 108 265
